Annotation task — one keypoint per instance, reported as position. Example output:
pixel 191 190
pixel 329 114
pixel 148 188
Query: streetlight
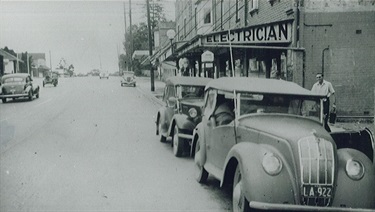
pixel 171 34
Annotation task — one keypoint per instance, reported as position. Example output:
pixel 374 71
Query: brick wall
pixel 349 60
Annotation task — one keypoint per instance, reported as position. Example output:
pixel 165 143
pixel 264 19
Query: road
pixel 90 145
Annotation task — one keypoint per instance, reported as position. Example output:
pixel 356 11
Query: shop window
pixel 253 6
pixel 207 16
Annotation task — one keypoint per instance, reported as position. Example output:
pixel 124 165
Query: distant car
pixel 128 79
pixel 104 75
pixel 276 154
pixel 18 86
pixel 51 78
pixel 183 98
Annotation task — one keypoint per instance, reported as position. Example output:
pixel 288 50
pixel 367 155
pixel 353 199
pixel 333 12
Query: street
pixel 90 145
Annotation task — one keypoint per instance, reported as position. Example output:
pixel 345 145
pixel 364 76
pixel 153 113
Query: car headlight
pixel 193 112
pixel 354 169
pixel 271 164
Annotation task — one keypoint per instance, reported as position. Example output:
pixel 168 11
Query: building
pixel 38 65
pixel 8 63
pixel 287 39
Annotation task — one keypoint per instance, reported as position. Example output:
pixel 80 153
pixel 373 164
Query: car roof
pixel 259 85
pixel 195 81
pixel 15 75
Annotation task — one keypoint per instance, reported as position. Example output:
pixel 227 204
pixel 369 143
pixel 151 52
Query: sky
pixel 86 34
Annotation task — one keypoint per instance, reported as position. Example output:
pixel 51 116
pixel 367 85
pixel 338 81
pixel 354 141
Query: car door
pixel 219 140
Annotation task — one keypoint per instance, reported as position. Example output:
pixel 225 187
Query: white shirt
pixel 325 88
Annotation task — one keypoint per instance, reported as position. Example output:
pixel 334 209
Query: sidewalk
pixel 144 85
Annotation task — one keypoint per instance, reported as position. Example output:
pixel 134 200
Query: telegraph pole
pixel 150 45
pixel 131 36
pixel 125 65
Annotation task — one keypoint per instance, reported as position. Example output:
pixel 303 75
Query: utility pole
pixel 28 66
pixel 50 59
pixel 150 45
pixel 131 35
pixel 125 65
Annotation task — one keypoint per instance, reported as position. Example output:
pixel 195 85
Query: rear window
pixel 14 80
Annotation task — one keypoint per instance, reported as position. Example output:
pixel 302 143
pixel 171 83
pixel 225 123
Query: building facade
pixel 287 39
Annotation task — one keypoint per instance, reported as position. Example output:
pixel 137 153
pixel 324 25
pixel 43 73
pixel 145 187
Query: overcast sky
pixel 87 34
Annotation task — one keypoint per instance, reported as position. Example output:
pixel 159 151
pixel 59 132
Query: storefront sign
pixel 274 33
pixel 207 56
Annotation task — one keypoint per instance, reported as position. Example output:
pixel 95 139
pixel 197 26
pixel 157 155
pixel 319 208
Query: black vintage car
pixel 51 78
pixel 18 86
pixel 183 97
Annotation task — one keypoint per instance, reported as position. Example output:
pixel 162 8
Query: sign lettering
pixel 274 33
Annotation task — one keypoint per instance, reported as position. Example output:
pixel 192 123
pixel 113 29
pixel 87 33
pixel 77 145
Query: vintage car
pixel 271 148
pixel 103 75
pixel 18 85
pixel 183 98
pixel 128 79
pixel 51 78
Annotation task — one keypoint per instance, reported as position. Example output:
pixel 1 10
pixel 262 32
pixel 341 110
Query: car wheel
pixel 201 174
pixel 163 139
pixel 43 84
pixel 239 201
pixel 30 95
pixel 54 84
pixel 4 100
pixel 178 143
pixel 37 95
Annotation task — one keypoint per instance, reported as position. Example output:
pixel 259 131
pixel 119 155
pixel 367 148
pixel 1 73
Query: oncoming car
pixel 270 145
pixel 104 75
pixel 183 98
pixel 51 79
pixel 128 79
pixel 18 86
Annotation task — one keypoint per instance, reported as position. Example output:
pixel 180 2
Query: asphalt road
pixel 90 145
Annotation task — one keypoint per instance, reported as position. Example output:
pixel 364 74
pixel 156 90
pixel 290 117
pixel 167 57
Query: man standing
pixel 325 88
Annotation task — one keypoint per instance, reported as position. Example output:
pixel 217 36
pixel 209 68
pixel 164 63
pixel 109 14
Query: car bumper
pixel 127 83
pixel 185 136
pixel 287 207
pixel 13 95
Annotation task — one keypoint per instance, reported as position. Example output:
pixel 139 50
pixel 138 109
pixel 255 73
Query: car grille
pixel 317 170
pixel 128 79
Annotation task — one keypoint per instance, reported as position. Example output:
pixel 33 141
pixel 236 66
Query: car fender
pixel 182 121
pixel 36 89
pixel 28 88
pixel 257 184
pixel 161 119
pixel 354 193
pixel 198 134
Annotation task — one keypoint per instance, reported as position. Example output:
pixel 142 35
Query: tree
pixel 157 13
pixel 70 70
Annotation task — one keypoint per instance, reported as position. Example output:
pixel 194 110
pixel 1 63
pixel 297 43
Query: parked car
pixel 128 79
pixel 51 78
pixel 104 75
pixel 183 98
pixel 17 86
pixel 276 154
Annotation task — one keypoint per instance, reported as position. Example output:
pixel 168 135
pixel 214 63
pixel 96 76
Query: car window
pixel 282 104
pixel 187 91
pixel 14 80
pixel 210 102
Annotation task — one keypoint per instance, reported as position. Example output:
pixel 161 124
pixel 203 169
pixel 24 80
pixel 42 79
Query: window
pixel 237 11
pixel 207 16
pixel 253 5
pixel 185 26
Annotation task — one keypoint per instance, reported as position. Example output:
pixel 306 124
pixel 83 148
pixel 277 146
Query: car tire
pixel 37 95
pixel 30 95
pixel 163 139
pixel 4 100
pixel 201 174
pixel 43 84
pixel 239 201
pixel 178 143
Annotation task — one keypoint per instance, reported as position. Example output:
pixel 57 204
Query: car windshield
pixel 14 80
pixel 187 91
pixel 284 104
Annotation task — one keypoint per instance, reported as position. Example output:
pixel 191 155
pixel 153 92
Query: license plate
pixel 317 191
pixel 12 91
